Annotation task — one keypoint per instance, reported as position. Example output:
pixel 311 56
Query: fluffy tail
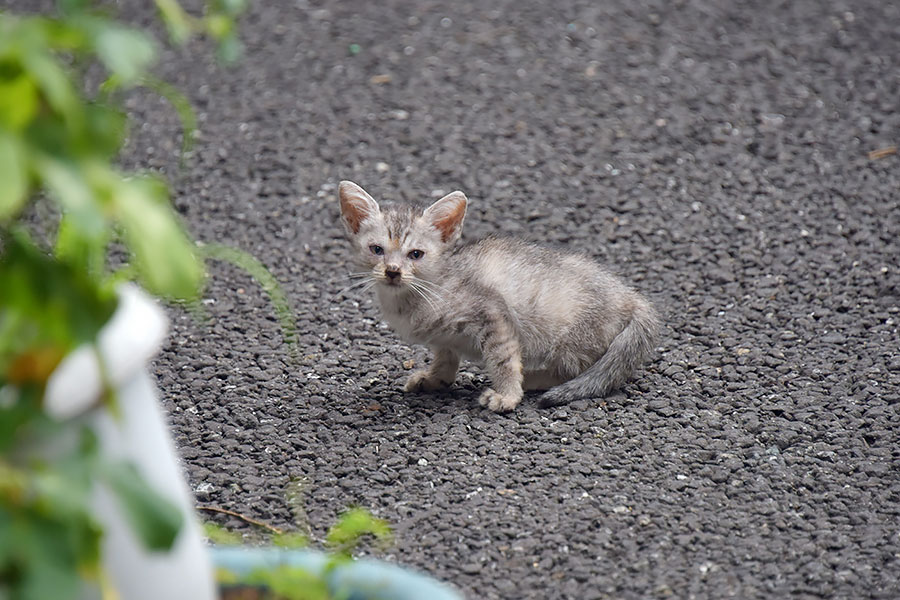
pixel 625 354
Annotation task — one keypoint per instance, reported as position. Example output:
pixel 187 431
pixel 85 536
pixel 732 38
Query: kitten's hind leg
pixel 625 354
pixel 440 373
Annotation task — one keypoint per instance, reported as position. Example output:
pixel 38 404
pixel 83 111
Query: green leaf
pixel 125 52
pixel 217 534
pixel 66 34
pixel 264 277
pixel 16 413
pixel 230 7
pixel 87 253
pixel 105 131
pixel 50 539
pixel 154 519
pixel 292 540
pixel 230 49
pixel 181 105
pixel 352 525
pixel 54 83
pixel 13 176
pixel 19 101
pixel 44 303
pixel 52 561
pixel 164 256
pixel 218 25
pixel 177 21
pixel 74 194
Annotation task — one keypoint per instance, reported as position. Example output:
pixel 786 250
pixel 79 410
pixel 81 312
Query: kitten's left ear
pixel 447 214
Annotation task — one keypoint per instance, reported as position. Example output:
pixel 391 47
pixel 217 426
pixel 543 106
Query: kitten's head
pixel 400 243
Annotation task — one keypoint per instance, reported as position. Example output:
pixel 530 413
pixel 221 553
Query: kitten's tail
pixel 625 354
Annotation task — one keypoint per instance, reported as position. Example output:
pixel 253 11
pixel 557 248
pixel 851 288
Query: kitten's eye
pixel 415 254
pixel 376 249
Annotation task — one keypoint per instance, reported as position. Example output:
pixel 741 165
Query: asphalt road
pixel 715 156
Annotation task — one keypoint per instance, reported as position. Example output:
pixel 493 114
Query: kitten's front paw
pixel 422 381
pixel 498 402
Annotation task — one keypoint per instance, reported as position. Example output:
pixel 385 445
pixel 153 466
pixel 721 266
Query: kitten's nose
pixel 392 272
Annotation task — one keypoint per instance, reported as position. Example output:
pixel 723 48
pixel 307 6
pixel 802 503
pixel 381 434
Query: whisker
pixel 431 284
pixel 418 290
pixel 414 287
pixel 438 296
pixel 356 284
pixel 435 300
pixel 438 299
pixel 432 290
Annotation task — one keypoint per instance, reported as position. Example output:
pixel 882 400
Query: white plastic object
pixel 139 434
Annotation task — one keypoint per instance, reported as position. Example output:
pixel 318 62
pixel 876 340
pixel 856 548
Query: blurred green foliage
pixel 49 540
pixel 285 582
pixel 59 139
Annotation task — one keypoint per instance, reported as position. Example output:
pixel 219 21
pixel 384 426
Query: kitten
pixel 536 318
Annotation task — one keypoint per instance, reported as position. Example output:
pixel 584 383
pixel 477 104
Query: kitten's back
pixel 530 276
pixel 567 308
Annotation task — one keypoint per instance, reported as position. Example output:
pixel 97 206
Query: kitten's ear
pixel 356 205
pixel 447 214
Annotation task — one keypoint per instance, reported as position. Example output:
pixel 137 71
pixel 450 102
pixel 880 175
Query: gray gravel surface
pixel 715 156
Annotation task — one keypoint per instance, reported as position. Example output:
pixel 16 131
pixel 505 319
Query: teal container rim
pixel 363 579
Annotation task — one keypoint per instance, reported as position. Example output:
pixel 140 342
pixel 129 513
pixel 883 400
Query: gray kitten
pixel 536 318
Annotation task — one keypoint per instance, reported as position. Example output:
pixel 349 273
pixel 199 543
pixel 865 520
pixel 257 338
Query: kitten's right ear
pixel 356 205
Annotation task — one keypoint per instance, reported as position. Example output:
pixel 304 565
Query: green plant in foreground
pixel 297 583
pixel 59 139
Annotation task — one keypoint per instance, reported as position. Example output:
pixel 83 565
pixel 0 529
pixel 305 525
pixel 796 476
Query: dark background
pixel 714 156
